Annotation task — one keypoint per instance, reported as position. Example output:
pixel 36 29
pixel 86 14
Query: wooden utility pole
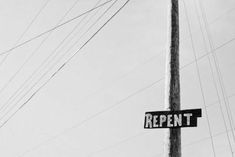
pixel 172 97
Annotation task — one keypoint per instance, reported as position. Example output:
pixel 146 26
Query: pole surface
pixel 172 93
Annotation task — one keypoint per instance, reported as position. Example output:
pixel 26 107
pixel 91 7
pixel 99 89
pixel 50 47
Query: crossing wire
pixel 130 138
pixel 139 91
pixel 42 42
pixel 53 75
pixel 62 66
pixel 199 79
pixel 5 105
pixel 123 100
pixel 150 59
pixel 26 30
pixel 12 107
pixel 53 28
pixel 197 59
pixel 214 81
pixel 217 68
pixel 34 52
pixel 222 45
pixel 144 133
pixel 79 124
pixel 203 139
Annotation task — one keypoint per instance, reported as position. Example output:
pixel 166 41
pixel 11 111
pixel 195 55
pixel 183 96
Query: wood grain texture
pixel 172 99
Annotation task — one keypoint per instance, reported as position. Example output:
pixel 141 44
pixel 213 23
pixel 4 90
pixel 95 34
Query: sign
pixel 172 119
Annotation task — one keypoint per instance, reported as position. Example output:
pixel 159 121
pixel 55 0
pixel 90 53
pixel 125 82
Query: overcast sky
pixel 94 106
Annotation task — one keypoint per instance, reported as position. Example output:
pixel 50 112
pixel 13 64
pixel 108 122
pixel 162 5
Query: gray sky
pixel 95 105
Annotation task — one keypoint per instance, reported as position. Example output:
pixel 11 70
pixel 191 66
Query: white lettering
pixel 188 115
pixel 162 119
pixel 148 122
pixel 155 121
pixel 169 120
pixel 178 120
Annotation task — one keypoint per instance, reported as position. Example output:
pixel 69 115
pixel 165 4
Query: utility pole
pixel 172 89
pixel 172 118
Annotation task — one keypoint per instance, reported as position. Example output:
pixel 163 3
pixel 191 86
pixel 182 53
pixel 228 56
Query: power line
pixel 217 68
pixel 63 65
pixel 205 55
pixel 47 59
pixel 214 81
pixel 126 98
pixel 53 75
pixel 144 133
pixel 124 140
pixel 34 52
pixel 201 140
pixel 117 143
pixel 54 28
pixel 216 19
pixel 102 88
pixel 110 107
pixel 52 65
pixel 225 13
pixel 26 30
pixel 215 102
pixel 44 62
pixel 199 79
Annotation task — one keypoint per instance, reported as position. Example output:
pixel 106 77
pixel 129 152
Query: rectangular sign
pixel 172 119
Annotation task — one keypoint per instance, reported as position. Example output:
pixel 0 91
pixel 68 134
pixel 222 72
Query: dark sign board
pixel 172 119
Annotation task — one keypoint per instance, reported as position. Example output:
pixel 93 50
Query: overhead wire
pixel 61 67
pixel 36 50
pixel 57 71
pixel 51 67
pixel 117 143
pixel 54 52
pixel 139 91
pixel 135 136
pixel 155 56
pixel 201 140
pixel 222 15
pixel 48 58
pixel 70 58
pixel 222 45
pixel 79 124
pixel 199 79
pixel 144 133
pixel 126 140
pixel 214 81
pixel 217 68
pixel 26 29
pixel 54 28
pixel 215 102
pixel 42 42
